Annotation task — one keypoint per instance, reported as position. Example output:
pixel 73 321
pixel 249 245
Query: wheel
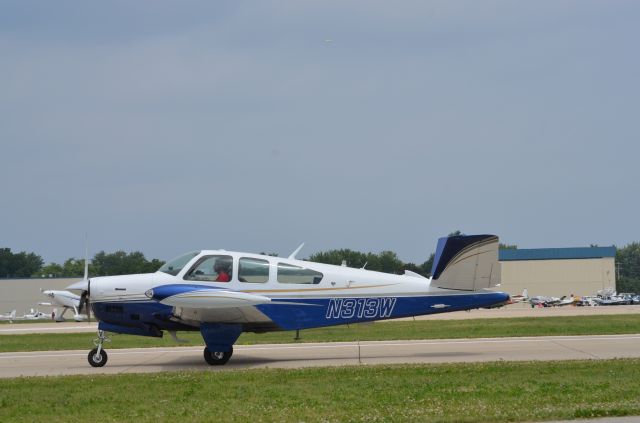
pixel 217 358
pixel 97 360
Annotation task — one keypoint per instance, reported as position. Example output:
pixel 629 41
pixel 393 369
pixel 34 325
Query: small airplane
pixel 222 294
pixel 67 300
pixel 10 317
pixel 542 301
pixel 519 298
pixel 34 315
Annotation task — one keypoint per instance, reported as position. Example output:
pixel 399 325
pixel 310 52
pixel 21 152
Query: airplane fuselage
pixel 285 294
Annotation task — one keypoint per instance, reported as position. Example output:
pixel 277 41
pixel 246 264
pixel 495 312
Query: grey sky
pixel 166 127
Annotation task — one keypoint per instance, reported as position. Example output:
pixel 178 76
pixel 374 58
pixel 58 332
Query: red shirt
pixel 223 277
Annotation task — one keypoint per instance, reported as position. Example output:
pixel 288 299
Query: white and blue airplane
pixel 223 293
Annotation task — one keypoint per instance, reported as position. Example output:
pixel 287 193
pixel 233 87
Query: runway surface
pixel 144 360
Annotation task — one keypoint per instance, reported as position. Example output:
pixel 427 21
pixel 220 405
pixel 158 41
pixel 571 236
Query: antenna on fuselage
pixel 292 256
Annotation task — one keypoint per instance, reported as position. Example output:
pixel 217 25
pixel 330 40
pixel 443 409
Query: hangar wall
pixel 558 271
pixel 22 295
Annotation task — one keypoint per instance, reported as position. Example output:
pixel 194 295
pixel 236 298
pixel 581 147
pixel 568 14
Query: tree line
pixel 24 264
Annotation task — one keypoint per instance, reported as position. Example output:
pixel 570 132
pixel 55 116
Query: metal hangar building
pixel 558 271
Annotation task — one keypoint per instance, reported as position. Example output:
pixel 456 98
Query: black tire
pixel 217 358
pixel 97 360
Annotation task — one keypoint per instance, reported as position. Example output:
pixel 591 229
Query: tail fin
pixel 466 262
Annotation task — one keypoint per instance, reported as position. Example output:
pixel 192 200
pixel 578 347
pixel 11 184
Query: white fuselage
pixel 337 281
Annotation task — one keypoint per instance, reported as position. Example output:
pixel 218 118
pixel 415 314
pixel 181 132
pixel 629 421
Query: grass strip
pixel 485 392
pixel 379 331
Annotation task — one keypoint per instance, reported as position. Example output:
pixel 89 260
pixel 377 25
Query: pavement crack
pixel 575 349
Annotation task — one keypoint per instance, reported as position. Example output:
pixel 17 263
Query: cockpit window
pixel 212 269
pixel 288 273
pixel 173 267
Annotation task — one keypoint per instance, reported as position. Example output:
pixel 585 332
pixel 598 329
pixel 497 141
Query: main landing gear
pixel 217 358
pixel 98 357
pixel 219 339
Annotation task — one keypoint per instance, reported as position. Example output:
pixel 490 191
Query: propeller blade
pixel 86 277
pixel 88 300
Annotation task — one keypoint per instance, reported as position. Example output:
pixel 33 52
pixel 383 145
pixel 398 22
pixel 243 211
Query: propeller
pixel 86 277
pixel 85 302
pixel 84 286
pixel 88 300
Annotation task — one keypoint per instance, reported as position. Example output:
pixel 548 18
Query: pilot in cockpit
pixel 223 269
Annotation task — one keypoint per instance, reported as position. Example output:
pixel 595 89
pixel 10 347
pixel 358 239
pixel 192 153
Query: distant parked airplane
pixel 68 300
pixel 33 315
pixel 10 317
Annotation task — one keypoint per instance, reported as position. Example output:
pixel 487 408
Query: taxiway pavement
pixel 144 360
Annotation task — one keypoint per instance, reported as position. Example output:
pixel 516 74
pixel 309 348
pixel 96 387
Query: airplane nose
pixel 78 286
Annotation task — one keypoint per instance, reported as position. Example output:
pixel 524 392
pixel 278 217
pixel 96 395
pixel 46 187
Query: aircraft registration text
pixel 368 308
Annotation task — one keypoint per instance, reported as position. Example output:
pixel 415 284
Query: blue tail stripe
pixel 449 247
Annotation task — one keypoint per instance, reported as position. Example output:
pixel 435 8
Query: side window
pixel 253 270
pixel 288 273
pixel 212 269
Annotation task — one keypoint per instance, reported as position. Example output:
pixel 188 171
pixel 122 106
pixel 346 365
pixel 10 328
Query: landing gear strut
pixel 98 357
pixel 217 358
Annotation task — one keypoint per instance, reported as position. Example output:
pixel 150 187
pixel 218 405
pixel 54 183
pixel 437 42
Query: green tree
pixel 389 262
pixel 353 258
pixel 385 261
pixel 628 263
pixel 19 265
pixel 53 270
pixel 507 246
pixel 73 267
pixel 122 263
pixel 427 265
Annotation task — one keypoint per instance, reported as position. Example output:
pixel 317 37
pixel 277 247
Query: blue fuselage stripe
pixel 305 313
pixel 338 311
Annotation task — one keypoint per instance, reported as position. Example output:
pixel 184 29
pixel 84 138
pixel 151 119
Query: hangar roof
pixel 556 253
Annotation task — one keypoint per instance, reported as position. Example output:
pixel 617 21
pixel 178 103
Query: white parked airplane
pixel 222 294
pixel 10 317
pixel 34 315
pixel 67 300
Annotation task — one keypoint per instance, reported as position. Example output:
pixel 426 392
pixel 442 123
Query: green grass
pixel 406 330
pixel 487 392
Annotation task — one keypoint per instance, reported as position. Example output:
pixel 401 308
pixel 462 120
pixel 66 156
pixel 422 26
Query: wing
pixel 196 304
pixel 204 297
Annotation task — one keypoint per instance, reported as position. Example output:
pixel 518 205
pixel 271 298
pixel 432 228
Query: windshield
pixel 173 267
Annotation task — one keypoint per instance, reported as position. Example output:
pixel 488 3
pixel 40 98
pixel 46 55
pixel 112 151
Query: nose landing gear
pixel 98 357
